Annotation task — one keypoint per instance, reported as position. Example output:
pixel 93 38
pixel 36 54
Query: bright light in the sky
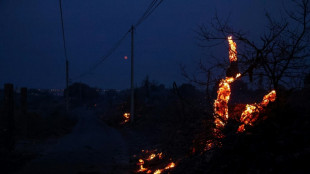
pixel 125 57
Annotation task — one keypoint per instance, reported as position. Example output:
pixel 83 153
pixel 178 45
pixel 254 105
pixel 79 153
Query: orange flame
pixel 251 113
pixel 241 128
pixel 232 50
pixel 151 156
pixel 170 166
pixel 158 171
pixel 223 95
pixel 209 146
pixel 221 115
pixel 221 103
pixel 142 169
pixel 248 116
pixel 271 97
pixel 126 116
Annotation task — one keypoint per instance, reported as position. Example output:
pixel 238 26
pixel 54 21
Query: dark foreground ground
pixel 277 143
pixel 92 146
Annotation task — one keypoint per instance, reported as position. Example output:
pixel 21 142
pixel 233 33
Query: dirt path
pixel 92 147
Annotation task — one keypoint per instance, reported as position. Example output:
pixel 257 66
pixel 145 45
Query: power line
pixel 103 58
pixel 149 11
pixel 154 9
pixel 63 30
pixel 151 8
pixel 146 11
pixel 66 56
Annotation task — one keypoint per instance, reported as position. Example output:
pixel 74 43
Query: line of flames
pixel 251 113
pixel 221 103
pixel 221 115
pixel 151 157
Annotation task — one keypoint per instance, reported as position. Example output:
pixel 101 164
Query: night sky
pixel 31 47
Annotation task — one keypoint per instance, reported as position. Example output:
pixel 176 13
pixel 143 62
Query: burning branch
pixel 232 50
pixel 221 115
pixel 251 113
pixel 221 103
pixel 223 93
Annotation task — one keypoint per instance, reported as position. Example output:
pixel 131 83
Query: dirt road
pixel 92 147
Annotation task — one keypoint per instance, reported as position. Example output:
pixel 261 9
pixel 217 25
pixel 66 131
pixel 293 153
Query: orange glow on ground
pixel 151 155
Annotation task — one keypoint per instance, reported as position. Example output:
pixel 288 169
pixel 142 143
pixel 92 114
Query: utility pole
pixel 66 56
pixel 132 107
pixel 67 85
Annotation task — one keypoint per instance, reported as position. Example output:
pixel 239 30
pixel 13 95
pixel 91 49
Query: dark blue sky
pixel 31 48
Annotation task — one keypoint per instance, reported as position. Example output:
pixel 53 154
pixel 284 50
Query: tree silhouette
pixel 281 54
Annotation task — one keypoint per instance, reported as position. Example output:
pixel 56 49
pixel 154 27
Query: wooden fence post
pixel 9 116
pixel 23 107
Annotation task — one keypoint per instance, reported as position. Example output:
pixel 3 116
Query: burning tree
pixel 221 114
pixel 280 55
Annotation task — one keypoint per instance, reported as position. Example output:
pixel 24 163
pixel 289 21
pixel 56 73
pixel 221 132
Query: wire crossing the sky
pixel 63 30
pixel 103 58
pixel 151 8
pixel 148 11
pixel 66 55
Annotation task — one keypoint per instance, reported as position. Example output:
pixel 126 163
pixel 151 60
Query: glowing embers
pixel 232 50
pixel 153 155
pixel 251 112
pixel 158 171
pixel 271 97
pixel 126 117
pixel 170 166
pixel 221 103
pixel 141 163
pixel 153 158
pixel 221 115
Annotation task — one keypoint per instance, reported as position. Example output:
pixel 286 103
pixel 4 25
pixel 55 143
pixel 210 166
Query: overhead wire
pixel 154 8
pixel 63 31
pixel 103 58
pixel 152 4
pixel 149 12
pixel 151 8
